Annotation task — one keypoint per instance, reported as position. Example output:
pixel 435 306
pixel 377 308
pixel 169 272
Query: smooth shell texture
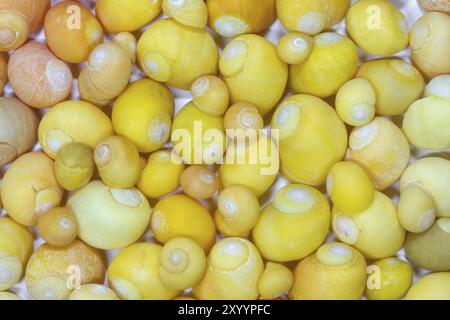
pixel 332 62
pixel 275 282
pixel 109 218
pixel 3 71
pixel 253 72
pixel 199 182
pixel 395 278
pixel 231 18
pixel 378 27
pixel 181 216
pixel 375 232
pixel 38 78
pixel 18 126
pixel 87 125
pixel 118 15
pixel 58 227
pixel 72 31
pixel 198 138
pixel 254 165
pixel 311 16
pixel 294 225
pixel 95 292
pixel 133 274
pixel 312 138
pixel 18 19
pixel 176 54
pixel 426 123
pixel 161 174
pixel 381 149
pixel 128 42
pixel 52 272
pixel 434 286
pixel 16 246
pixel 8 296
pixel 234 268
pixel 397 84
pixel 193 13
pixel 429 44
pixel 29 188
pixel 295 47
pixel 210 94
pixel 244 116
pixel 416 208
pixel 340 276
pixel 143 114
pixel 439 87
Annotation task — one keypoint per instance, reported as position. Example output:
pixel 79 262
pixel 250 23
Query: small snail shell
pixel 276 281
pixel 73 121
pixel 50 268
pixel 74 166
pixel 95 292
pixel 109 218
pixel 439 87
pixel 435 5
pixel 199 182
pixel 234 268
pixel 335 272
pixel 231 18
pixel 58 227
pixel 3 71
pixel 210 94
pixel 193 13
pixel 118 15
pixel 18 129
pixel 381 149
pixel 134 274
pixel 180 216
pixel 143 114
pixel 72 31
pixel 161 174
pixel 433 286
pixel 106 75
pixel 18 19
pixel 294 48
pixel 16 246
pixel 128 42
pixel 183 264
pixel 244 116
pixel 118 162
pixel 38 78
pixel 30 189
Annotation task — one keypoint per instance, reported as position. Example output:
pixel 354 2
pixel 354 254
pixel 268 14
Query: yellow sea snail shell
pixel 16 246
pixel 253 72
pixel 18 127
pixel 378 27
pixel 161 174
pixel 238 211
pixel 199 182
pixel 9 296
pixel 118 162
pixel 425 124
pixel 439 87
pixel 128 42
pixel 181 216
pixel 397 84
pixel 72 31
pixel 3 71
pixel 294 48
pixel 375 232
pixel 37 77
pixel 332 62
pixel 276 281
pixel 395 278
pixel 93 292
pixel 143 114
pixel 254 165
pixel 30 189
pixel 106 75
pixel 87 125
pixel 74 166
pixel 161 45
pixel 109 218
pixel 294 225
pixel 311 16
pixel 349 187
pixel 433 286
pixel 312 138
pixel 58 227
pixel 335 272
pixel 183 264
pixel 118 15
pixel 231 18
pixel 18 19
pixel 242 116
pixel 435 5
pixel 381 149
pixel 51 270
pixel 134 274
pixel 193 13
pixel 233 271
pixel 210 94
pixel 429 44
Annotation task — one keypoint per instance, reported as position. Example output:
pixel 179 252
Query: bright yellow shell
pixel 434 286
